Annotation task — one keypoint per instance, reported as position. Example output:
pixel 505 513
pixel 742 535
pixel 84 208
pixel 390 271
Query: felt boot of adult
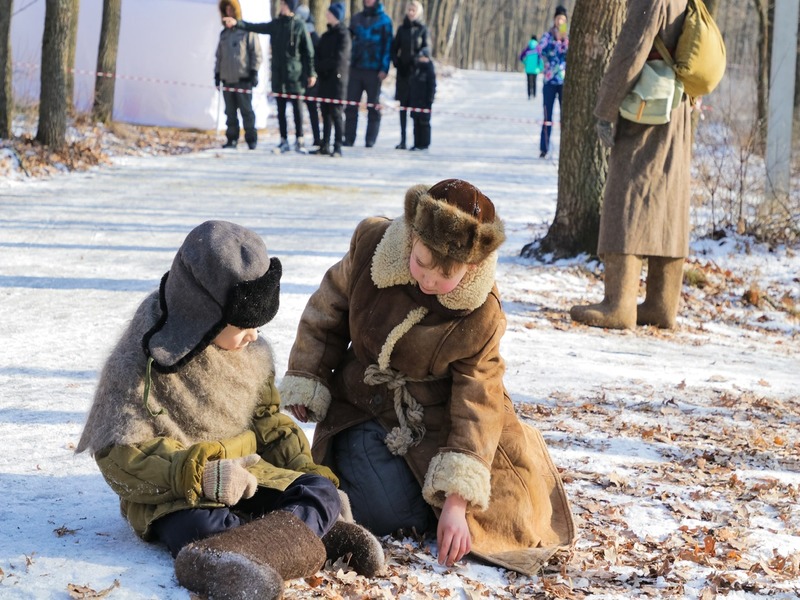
pixel 356 545
pixel 618 308
pixel 251 561
pixel 664 282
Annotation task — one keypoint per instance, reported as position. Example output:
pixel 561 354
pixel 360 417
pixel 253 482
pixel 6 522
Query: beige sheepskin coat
pixel 368 311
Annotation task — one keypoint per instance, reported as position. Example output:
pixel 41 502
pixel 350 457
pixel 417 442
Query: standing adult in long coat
pixel 410 39
pixel 646 202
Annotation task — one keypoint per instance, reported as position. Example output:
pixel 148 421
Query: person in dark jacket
pixel 332 62
pixel 313 91
pixel 422 89
pixel 371 30
pixel 237 62
pixel 292 65
pixel 411 37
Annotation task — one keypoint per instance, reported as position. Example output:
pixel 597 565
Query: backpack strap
pixel 662 50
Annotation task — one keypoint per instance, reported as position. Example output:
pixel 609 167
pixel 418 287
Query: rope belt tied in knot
pixel 409 411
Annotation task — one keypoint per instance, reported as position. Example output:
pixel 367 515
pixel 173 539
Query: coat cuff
pixel 303 391
pixel 457 473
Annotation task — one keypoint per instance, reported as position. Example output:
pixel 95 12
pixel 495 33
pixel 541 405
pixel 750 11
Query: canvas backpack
pixel 699 61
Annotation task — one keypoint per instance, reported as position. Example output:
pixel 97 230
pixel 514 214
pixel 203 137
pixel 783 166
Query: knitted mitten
pixel 251 561
pixel 360 548
pixel 228 480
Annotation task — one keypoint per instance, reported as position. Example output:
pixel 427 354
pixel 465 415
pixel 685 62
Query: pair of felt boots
pixel 254 560
pixel 619 309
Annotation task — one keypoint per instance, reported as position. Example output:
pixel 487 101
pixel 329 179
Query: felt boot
pixel 664 282
pixel 251 561
pixel 356 546
pixel 618 308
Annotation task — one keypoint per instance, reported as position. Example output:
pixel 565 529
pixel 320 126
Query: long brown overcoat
pixel 646 201
pixel 368 311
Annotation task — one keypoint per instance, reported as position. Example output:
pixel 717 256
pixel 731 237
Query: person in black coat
pixel 422 89
pixel 332 63
pixel 312 92
pixel 411 37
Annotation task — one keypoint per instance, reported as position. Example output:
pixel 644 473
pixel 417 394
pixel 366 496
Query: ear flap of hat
pixel 255 303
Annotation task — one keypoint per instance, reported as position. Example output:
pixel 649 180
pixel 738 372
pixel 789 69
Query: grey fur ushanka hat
pixel 220 276
pixel 455 219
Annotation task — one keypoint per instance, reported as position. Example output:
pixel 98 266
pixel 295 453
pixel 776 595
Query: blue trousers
pixel 550 91
pixel 384 494
pixel 311 498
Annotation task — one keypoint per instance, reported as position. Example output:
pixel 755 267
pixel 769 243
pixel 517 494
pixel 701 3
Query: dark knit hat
pixel 220 276
pixel 292 4
pixel 337 10
pixel 455 219
pixel 560 10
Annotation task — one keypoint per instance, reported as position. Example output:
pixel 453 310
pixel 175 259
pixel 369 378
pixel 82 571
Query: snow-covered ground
pixel 678 449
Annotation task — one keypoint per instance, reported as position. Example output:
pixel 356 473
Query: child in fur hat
pixel 397 358
pixel 186 430
pixel 236 66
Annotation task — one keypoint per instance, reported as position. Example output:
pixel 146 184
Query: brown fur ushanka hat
pixel 237 9
pixel 455 219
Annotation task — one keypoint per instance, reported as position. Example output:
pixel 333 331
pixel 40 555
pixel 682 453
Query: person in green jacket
pixel 533 65
pixel 292 69
pixel 185 428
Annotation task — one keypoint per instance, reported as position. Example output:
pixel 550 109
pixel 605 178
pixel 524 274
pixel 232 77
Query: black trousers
pixel 311 498
pixel 332 119
pixel 362 81
pixel 298 116
pixel 422 129
pixel 239 102
pixel 531 77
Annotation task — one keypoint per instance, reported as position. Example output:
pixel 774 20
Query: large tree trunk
pixel 6 99
pixel 72 44
pixel 762 69
pixel 105 81
pixel 53 101
pixel 583 161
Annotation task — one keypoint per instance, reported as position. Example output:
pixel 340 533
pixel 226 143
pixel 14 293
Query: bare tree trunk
pixel 762 69
pixel 72 43
pixel 6 99
pixel 105 81
pixel 583 161
pixel 53 101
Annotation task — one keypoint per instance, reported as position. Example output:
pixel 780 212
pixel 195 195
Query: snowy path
pixel 78 253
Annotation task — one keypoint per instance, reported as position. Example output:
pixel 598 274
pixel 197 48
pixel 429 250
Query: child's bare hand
pixel 452 534
pixel 229 22
pixel 299 412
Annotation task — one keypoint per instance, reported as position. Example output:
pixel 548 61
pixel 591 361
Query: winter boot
pixel 229 144
pixel 356 546
pixel 664 281
pixel 251 561
pixel 618 308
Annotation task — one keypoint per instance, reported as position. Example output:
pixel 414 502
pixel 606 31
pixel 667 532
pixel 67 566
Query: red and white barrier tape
pixel 377 106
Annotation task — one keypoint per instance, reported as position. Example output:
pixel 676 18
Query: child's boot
pixel 356 545
pixel 664 282
pixel 251 561
pixel 618 308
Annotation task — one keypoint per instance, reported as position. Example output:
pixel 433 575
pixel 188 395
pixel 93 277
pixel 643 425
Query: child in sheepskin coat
pixel 186 429
pixel 397 358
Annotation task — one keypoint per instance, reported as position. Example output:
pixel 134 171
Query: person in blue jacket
pixel 372 34
pixel 553 50
pixel 533 65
